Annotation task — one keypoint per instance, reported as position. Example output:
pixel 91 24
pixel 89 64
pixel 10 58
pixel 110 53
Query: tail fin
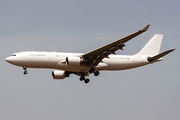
pixel 153 46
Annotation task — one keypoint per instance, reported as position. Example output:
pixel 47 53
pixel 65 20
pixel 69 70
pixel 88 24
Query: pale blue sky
pixel 150 93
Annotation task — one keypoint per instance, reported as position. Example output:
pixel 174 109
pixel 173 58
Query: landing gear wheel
pixel 96 73
pixel 86 80
pixel 81 78
pixel 25 72
pixel 91 70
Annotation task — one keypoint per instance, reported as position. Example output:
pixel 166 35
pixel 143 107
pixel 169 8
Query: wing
pixel 94 57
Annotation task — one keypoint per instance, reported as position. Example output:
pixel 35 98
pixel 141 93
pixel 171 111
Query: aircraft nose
pixel 9 59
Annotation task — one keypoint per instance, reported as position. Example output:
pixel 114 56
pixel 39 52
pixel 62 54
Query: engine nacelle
pixel 74 61
pixel 59 74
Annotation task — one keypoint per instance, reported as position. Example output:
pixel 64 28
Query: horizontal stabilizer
pixel 151 59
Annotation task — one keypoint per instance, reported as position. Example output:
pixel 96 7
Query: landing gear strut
pixel 25 71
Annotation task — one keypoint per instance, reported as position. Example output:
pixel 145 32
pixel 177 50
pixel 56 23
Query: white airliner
pixel 103 58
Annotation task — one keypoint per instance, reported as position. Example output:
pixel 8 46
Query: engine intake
pixel 59 74
pixel 74 61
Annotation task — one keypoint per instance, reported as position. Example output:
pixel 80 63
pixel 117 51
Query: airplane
pixel 83 64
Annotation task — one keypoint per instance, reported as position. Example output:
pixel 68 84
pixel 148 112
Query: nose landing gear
pixel 25 71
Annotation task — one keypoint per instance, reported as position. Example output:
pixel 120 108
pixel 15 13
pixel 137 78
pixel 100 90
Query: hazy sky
pixel 147 93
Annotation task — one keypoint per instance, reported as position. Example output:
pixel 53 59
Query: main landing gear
pixel 25 71
pixel 86 80
pixel 92 70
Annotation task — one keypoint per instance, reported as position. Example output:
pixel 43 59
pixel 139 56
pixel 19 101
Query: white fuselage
pixel 57 60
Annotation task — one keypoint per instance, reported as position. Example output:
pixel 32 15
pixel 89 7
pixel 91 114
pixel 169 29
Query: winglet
pixel 146 28
pixel 151 59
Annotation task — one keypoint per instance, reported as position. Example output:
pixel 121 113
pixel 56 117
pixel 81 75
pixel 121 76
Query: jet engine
pixel 74 61
pixel 59 74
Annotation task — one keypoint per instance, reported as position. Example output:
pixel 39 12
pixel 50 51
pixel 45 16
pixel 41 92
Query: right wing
pixel 94 57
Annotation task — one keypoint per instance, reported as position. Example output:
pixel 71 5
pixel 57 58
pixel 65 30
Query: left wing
pixel 94 57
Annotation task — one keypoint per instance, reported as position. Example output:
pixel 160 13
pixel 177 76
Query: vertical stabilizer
pixel 153 46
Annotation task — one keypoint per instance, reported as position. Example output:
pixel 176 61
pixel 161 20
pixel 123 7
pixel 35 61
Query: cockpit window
pixel 13 55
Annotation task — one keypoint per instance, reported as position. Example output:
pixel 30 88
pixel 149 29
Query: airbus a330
pixel 83 64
